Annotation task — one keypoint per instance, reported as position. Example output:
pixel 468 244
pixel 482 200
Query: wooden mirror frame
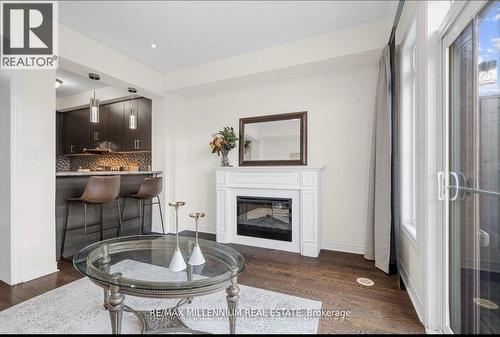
pixel 302 116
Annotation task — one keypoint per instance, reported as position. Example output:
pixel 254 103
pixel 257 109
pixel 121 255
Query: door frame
pixel 456 20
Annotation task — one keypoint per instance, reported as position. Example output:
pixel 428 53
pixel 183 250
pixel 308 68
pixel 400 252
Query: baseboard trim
pixel 37 272
pixel 201 229
pixel 343 247
pixel 433 332
pixel 412 292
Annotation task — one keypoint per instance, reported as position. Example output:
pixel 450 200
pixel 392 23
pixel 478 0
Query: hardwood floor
pixel 331 278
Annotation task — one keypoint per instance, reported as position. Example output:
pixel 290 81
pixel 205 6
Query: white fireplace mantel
pixel 301 184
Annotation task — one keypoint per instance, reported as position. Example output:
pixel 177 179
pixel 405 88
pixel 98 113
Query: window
pixel 407 132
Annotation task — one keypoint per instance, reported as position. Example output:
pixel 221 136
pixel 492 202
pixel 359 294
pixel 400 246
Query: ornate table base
pixel 164 324
pixel 172 323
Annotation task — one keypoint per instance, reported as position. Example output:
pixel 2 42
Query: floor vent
pixel 365 282
pixel 484 303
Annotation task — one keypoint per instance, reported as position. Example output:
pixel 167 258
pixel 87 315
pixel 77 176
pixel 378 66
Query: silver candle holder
pixel 197 257
pixel 177 263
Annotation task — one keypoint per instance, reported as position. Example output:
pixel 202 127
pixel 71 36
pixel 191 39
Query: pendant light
pixel 132 117
pixel 94 102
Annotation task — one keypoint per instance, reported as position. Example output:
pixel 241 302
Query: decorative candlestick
pixel 196 258
pixel 177 263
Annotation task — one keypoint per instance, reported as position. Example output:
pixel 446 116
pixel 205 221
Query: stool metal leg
pixel 161 215
pixel 65 227
pixel 120 212
pixel 85 223
pixel 143 216
pixel 100 220
pixel 140 216
pixel 123 206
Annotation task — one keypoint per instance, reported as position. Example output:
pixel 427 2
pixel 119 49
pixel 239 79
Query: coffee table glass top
pixel 143 262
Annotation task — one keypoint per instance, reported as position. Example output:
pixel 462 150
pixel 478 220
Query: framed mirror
pixel 274 140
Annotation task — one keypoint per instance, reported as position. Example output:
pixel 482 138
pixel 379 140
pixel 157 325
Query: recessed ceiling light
pixel 153 45
pixel 58 83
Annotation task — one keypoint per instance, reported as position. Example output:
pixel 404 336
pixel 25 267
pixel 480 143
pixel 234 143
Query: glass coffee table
pixel 138 266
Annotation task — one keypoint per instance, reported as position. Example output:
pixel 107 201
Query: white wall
pixel 32 176
pixel 5 177
pixel 340 123
pixel 83 99
pixel 164 119
pixel 344 43
pixel 81 54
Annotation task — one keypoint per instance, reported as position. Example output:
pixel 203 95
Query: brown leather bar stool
pixel 98 191
pixel 149 190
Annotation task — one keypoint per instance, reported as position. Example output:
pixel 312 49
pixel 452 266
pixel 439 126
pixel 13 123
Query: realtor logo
pixel 29 35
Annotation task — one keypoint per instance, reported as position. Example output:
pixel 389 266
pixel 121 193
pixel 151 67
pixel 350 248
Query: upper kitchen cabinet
pixel 98 133
pixel 123 127
pixel 115 127
pixel 76 129
pixel 60 133
pixel 137 125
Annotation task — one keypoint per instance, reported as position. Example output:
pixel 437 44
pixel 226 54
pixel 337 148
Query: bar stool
pixel 150 189
pixel 98 191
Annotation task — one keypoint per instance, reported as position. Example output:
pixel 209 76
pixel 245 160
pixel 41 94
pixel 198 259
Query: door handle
pixel 444 186
pixel 457 186
pixel 441 186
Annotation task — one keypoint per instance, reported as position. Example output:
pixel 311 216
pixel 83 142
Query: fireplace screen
pixel 268 218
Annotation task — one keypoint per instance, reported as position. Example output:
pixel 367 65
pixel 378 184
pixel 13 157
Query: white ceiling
pixel 74 84
pixel 192 32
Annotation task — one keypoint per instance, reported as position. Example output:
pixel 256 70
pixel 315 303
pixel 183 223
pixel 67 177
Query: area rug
pixel 76 308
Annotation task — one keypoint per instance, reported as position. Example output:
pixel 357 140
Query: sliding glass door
pixel 474 174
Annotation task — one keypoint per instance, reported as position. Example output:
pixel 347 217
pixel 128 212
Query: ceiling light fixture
pixel 153 45
pixel 132 118
pixel 58 83
pixel 94 102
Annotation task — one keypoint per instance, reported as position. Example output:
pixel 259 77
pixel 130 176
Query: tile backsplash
pixel 93 161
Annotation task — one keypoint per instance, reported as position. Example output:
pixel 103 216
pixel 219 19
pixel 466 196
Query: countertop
pixel 105 173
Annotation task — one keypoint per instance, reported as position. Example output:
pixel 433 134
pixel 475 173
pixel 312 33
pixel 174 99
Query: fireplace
pixel 269 218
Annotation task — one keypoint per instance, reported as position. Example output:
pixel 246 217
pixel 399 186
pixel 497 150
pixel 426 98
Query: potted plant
pixel 223 142
pixel 246 145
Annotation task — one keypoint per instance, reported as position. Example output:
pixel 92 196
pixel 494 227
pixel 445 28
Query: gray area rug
pixel 76 308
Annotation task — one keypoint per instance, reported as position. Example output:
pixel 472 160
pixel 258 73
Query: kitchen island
pixel 72 184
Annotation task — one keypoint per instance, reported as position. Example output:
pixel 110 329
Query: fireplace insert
pixel 269 218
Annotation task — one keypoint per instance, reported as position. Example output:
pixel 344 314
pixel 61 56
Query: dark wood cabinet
pixel 115 126
pixel 138 139
pixel 98 132
pixel 76 126
pixel 113 130
pixel 60 133
pixel 144 125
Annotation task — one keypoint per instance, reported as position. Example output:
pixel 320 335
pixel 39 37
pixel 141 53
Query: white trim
pixel 325 245
pixel 15 168
pixel 412 292
pixel 433 332
pixel 37 272
pixel 301 184
pixel 201 228
pixel 343 247
pixel 410 230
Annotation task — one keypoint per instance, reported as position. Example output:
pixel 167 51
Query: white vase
pixel 197 257
pixel 177 263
